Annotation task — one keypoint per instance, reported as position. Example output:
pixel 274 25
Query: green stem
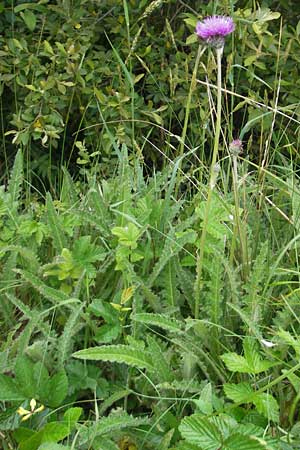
pixel 188 106
pixel 212 182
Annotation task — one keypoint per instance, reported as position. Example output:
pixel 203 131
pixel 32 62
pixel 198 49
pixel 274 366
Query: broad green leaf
pixel 29 18
pixel 239 393
pixel 198 430
pixel 205 402
pixel 24 372
pixel 236 363
pixel 9 390
pixel 240 442
pixel 53 446
pixel 253 357
pixel 55 431
pixel 58 389
pixel 119 354
pixel 267 405
pixel 71 416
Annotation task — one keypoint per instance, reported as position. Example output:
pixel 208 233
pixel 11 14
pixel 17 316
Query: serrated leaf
pixel 117 353
pixel 57 232
pixel 236 363
pixel 240 442
pixel 267 405
pixel 107 425
pixel 198 430
pixel 159 320
pixel 239 393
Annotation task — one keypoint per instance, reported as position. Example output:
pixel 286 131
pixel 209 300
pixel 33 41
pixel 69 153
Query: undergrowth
pixel 113 334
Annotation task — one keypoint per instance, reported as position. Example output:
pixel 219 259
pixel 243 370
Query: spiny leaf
pixel 65 341
pixel 108 425
pixel 16 178
pixel 57 233
pixel 54 295
pixel 117 353
pixel 158 320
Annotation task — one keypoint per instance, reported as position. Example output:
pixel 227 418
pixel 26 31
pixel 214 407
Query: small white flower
pixel 268 344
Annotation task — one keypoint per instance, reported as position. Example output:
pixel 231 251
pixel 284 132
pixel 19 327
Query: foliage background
pixel 101 220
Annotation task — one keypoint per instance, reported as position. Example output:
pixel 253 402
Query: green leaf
pixel 240 442
pixel 57 232
pixel 205 402
pixel 109 425
pixel 71 417
pixel 55 431
pixel 158 320
pixel 52 446
pixel 236 363
pixel 267 405
pixel 16 179
pixel 117 353
pixel 54 295
pixel 9 390
pixel 29 19
pixel 239 393
pixel 25 376
pixel 58 389
pixel 198 430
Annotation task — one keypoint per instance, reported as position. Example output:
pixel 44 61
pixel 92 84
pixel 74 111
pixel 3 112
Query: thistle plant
pixel 211 32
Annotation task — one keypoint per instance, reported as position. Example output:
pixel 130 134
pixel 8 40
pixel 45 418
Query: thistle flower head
pixel 212 30
pixel 235 147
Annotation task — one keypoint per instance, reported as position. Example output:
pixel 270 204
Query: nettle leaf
pixel 198 430
pixel 118 353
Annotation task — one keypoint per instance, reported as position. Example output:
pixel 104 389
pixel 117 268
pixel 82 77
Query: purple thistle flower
pixel 236 146
pixel 213 29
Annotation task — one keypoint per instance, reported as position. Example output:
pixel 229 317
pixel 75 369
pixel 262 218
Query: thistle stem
pixel 212 182
pixel 200 52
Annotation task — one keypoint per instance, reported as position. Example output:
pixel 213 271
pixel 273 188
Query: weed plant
pixel 150 228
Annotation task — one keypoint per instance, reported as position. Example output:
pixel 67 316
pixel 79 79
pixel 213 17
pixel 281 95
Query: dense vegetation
pixel 149 297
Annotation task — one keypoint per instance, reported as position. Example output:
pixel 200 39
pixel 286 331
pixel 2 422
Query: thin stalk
pixel 212 182
pixel 193 84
